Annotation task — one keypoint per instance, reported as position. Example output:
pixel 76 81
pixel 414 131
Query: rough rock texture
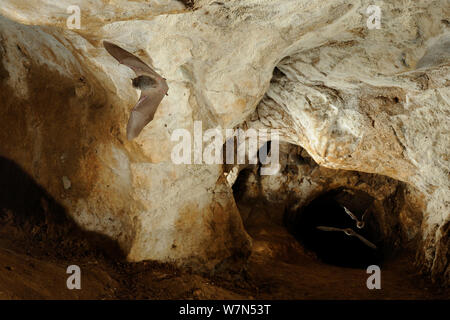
pixel 393 206
pixel 375 101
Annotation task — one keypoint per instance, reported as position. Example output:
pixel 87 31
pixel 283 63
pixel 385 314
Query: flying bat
pixel 359 223
pixel 153 89
pixel 350 233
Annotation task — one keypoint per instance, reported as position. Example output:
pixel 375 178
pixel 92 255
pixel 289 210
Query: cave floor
pixel 278 269
pixel 284 270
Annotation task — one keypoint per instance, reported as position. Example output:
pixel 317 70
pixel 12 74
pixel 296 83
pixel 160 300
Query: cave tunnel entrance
pixel 327 226
pixel 323 227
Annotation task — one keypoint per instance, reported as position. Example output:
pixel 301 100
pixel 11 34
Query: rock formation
pixel 375 101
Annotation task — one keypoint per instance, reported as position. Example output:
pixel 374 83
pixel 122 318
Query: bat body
pixel 349 232
pixel 153 89
pixel 359 223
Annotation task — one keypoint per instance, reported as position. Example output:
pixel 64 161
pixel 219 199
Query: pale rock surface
pixel 375 101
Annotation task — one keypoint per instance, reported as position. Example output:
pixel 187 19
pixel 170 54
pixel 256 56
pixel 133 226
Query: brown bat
pixel 349 232
pixel 153 89
pixel 359 223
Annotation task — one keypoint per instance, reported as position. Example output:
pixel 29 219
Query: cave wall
pixel 375 101
pixel 64 123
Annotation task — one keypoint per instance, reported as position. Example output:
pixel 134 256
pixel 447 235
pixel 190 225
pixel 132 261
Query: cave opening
pixel 340 227
pixel 330 215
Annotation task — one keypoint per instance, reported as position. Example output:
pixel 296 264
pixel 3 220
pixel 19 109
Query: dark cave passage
pixel 324 227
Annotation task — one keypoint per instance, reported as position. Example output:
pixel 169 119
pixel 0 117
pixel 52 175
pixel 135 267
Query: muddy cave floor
pixel 33 263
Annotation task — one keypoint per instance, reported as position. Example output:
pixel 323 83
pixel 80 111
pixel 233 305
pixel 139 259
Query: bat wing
pixel 365 241
pixel 364 214
pixel 324 228
pixel 145 109
pixel 130 60
pixel 350 213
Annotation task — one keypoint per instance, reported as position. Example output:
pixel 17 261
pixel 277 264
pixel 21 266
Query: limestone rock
pixel 374 101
